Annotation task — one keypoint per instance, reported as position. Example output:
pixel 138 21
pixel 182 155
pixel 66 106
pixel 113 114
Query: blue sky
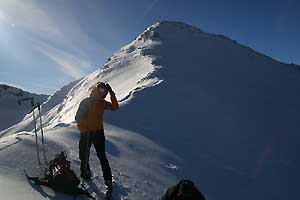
pixel 46 44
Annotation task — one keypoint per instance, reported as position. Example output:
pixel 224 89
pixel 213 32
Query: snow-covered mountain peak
pixel 171 26
pixel 228 112
pixel 128 70
pixel 169 29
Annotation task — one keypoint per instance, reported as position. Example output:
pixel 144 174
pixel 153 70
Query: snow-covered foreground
pixel 140 167
pixel 228 113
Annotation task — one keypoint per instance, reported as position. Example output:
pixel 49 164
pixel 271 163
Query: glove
pixel 109 89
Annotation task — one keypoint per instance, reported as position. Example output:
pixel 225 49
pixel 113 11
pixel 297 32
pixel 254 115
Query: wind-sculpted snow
pixel 127 71
pixel 228 113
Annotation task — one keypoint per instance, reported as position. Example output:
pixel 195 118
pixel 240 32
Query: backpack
pixel 61 176
pixel 184 190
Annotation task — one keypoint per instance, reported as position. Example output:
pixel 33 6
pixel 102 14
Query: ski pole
pixel 42 132
pixel 36 138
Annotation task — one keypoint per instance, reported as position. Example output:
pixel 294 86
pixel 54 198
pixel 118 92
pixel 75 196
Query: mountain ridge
pixel 227 112
pixel 182 25
pixel 11 109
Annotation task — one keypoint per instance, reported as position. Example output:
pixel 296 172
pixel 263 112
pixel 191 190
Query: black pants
pixel 85 143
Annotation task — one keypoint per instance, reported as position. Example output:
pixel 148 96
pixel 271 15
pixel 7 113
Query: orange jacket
pixel 89 116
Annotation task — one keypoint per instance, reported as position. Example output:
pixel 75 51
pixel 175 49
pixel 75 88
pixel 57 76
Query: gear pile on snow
pixel 60 177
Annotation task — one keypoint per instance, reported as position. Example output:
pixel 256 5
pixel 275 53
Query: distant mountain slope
pixel 11 111
pixel 229 113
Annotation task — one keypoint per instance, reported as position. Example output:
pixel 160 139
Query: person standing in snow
pixel 89 118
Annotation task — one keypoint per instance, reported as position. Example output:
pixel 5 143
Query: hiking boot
pixel 108 190
pixel 87 176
